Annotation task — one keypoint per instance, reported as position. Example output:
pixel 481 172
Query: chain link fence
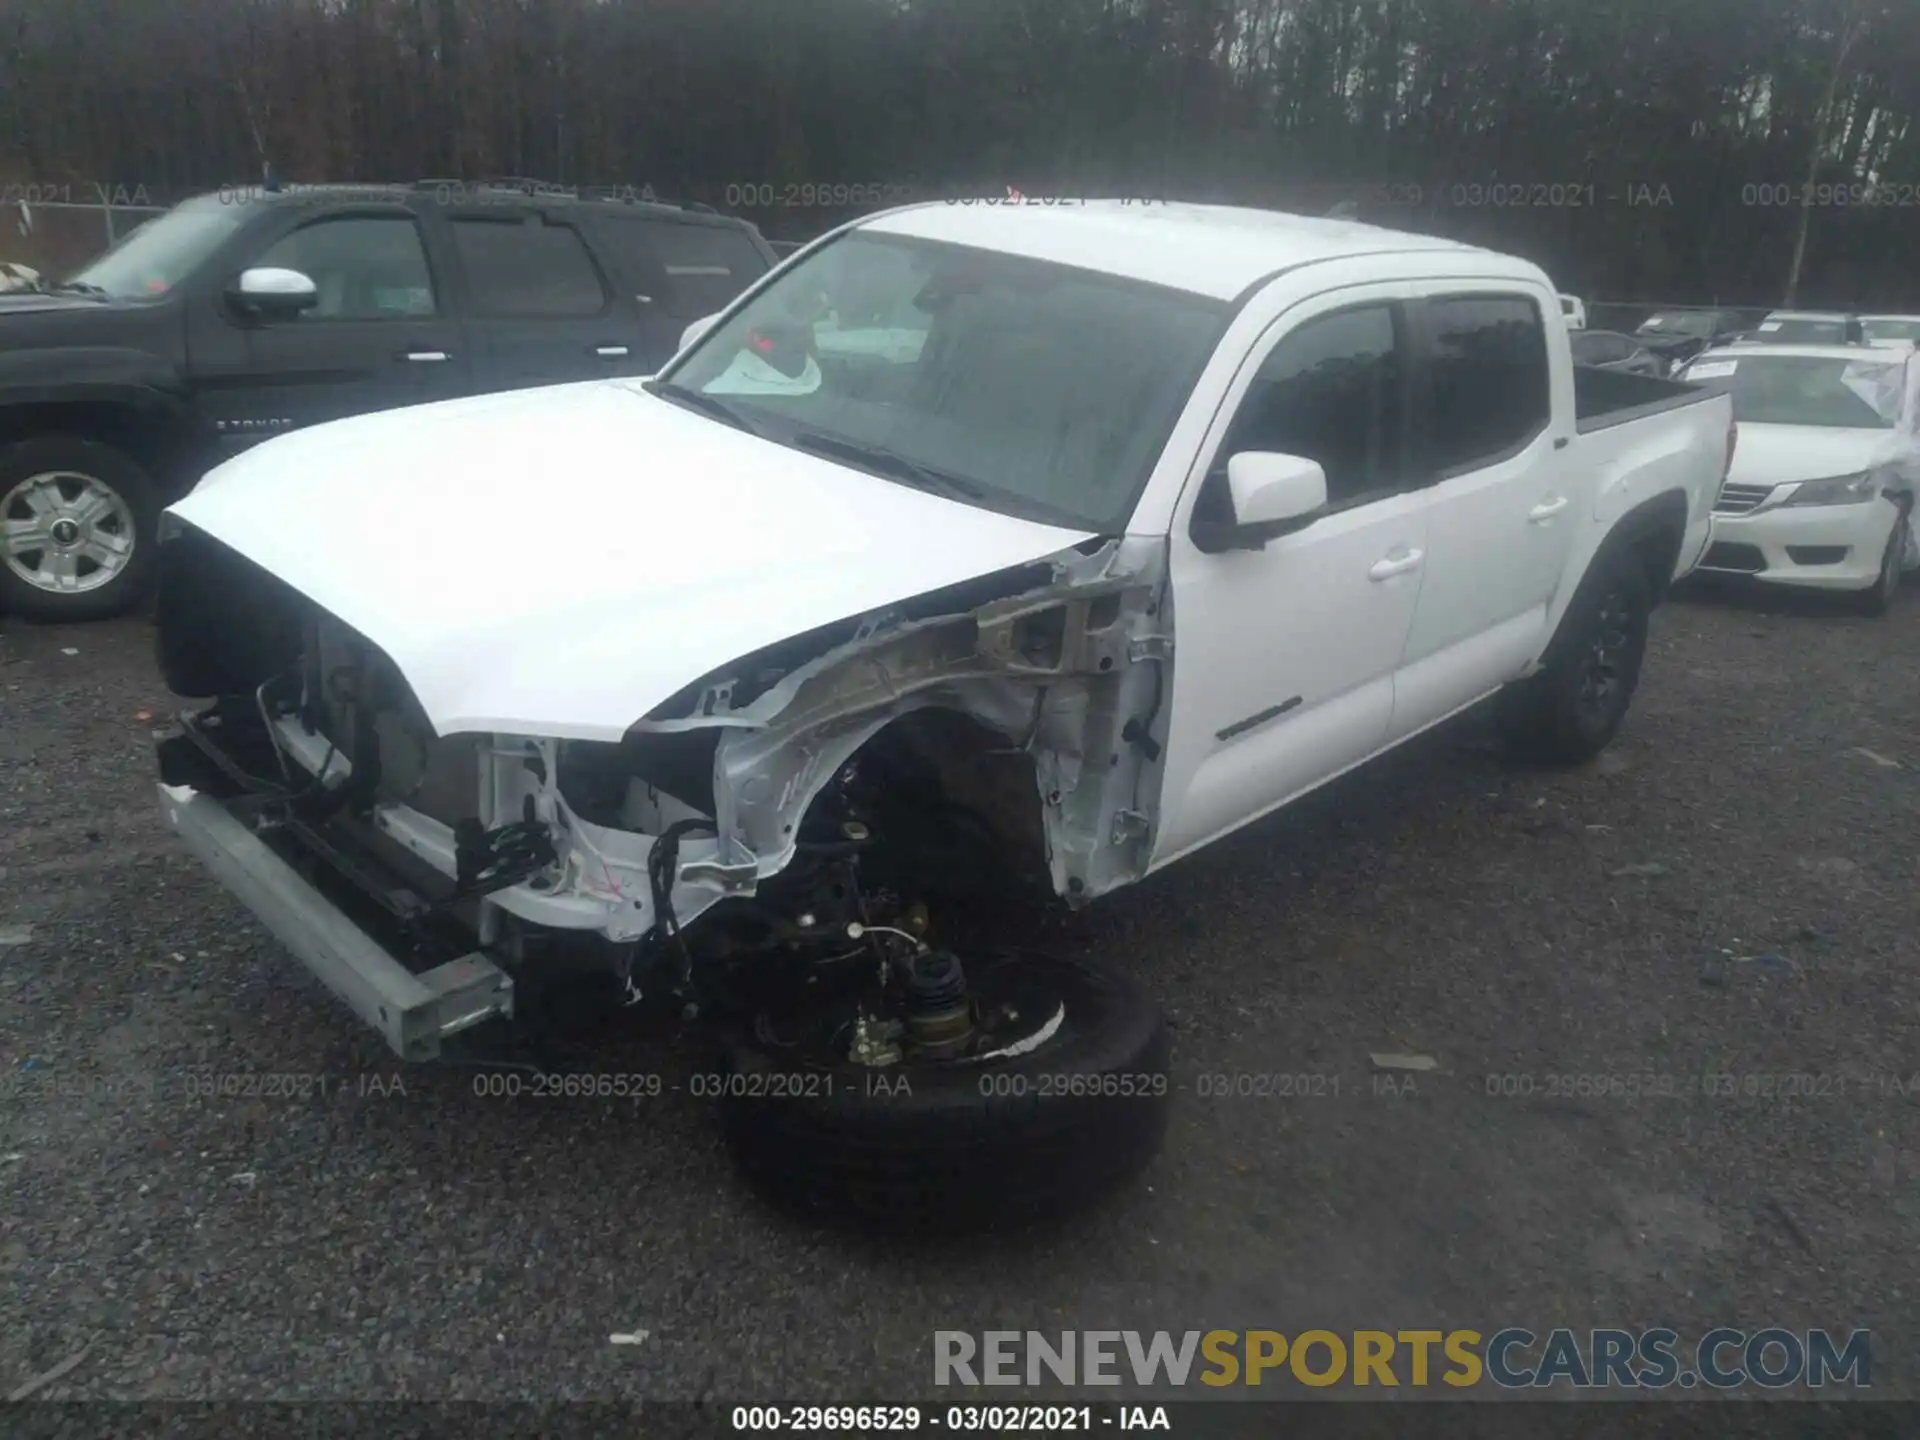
pixel 57 237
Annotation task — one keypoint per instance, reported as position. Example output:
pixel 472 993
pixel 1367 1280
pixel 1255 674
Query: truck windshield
pixel 1890 329
pixel 1017 385
pixel 1803 330
pixel 150 261
pixel 1806 390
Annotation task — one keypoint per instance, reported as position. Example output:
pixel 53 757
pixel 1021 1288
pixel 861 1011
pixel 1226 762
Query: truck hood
pixel 1775 454
pixel 557 562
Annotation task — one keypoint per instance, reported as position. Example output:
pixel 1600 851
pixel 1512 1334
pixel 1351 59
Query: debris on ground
pixel 245 1177
pixel 47 1377
pixel 1646 867
pixel 1794 1227
pixel 1881 760
pixel 15 935
pixel 1770 959
pixel 633 1337
pixel 1713 965
pixel 143 715
pixel 1404 1062
pixel 1831 865
pixel 68 650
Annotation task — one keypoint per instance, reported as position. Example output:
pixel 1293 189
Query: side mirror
pixel 1269 495
pixel 273 293
pixel 698 328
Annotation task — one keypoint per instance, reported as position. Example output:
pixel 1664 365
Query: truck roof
pixel 1213 250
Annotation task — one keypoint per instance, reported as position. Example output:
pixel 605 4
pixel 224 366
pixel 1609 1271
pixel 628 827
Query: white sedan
pixel 1825 469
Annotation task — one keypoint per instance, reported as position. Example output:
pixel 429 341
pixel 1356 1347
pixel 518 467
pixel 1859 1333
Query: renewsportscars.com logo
pixel 1511 1359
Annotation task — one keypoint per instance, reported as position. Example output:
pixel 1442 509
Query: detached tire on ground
pixel 965 1146
pixel 1570 711
pixel 76 529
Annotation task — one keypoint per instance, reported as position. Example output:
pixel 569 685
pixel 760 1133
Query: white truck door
pixel 1285 656
pixel 1493 434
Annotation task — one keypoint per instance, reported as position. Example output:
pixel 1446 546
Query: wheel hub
pixel 1600 676
pixel 65 532
pixel 939 1015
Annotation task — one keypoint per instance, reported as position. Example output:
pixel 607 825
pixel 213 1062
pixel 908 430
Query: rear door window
pixel 701 267
pixel 1487 379
pixel 1593 347
pixel 522 267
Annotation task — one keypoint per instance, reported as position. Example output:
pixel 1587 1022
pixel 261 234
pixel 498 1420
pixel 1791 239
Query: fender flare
pixel 1658 518
pixel 1652 519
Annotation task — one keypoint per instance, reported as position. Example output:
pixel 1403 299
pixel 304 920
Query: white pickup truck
pixel 764 683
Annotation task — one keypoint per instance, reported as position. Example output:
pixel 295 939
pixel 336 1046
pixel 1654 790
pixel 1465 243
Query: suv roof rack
pixel 530 186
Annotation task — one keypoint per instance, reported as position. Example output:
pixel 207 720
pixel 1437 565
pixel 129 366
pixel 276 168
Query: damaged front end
pixel 811 804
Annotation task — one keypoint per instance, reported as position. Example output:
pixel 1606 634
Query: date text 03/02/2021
pixel 957 1419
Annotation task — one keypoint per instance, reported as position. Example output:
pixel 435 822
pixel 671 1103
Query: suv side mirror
pixel 698 328
pixel 273 293
pixel 1267 495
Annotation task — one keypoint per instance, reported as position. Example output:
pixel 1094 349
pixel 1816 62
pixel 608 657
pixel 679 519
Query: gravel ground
pixel 402 1236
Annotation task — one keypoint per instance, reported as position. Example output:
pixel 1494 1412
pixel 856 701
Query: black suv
pixel 239 315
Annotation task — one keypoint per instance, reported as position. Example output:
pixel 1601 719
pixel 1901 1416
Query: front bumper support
pixel 413 1012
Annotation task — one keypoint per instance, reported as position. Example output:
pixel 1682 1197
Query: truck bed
pixel 1612 397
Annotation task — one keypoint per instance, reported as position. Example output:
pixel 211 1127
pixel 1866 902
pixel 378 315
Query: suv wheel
pixel 76 529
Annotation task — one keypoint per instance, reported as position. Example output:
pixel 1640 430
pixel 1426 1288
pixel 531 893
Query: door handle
pixel 610 352
pixel 1547 509
pixel 1396 565
pixel 423 357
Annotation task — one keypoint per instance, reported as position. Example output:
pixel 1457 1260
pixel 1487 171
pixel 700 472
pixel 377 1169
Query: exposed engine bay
pixel 813 810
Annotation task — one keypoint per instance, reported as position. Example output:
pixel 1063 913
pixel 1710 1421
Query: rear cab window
pixel 1597 347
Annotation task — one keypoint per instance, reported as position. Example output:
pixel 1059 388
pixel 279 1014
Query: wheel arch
pixel 145 424
pixel 970 740
pixel 1649 537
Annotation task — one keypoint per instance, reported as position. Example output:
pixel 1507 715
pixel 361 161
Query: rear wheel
pixel 76 529
pixel 1062 1094
pixel 1571 709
